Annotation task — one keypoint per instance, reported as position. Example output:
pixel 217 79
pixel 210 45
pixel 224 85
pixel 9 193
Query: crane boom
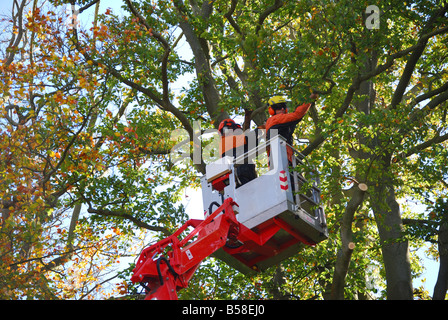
pixel 167 266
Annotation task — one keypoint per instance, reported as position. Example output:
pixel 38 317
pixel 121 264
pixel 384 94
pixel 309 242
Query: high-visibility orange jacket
pixel 286 124
pixel 232 145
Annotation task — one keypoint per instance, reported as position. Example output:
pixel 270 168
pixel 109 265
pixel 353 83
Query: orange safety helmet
pixel 274 101
pixel 228 123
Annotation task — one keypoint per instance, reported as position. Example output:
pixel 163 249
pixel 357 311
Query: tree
pixel 89 112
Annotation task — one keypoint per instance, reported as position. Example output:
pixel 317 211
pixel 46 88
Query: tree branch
pixel 430 94
pixel 347 245
pixel 97 285
pixel 17 22
pixel 421 113
pixel 164 103
pixel 126 216
pixel 87 6
pixel 142 20
pixel 435 140
pixel 422 223
pixel 415 56
pixel 163 42
pixel 277 5
pixel 203 67
pixel 232 21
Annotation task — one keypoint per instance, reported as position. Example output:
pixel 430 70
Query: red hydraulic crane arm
pixel 167 266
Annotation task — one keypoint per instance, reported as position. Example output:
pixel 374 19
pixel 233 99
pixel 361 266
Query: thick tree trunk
pixel 441 286
pixel 357 193
pixel 395 248
pixel 200 49
pixel 277 283
pixel 347 244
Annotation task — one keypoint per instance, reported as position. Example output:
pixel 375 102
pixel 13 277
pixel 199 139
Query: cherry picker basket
pixel 279 204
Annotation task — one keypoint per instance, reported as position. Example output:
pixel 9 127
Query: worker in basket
pixel 234 143
pixel 285 123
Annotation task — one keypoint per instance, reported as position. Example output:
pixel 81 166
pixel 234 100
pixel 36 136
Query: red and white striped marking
pixel 283 180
